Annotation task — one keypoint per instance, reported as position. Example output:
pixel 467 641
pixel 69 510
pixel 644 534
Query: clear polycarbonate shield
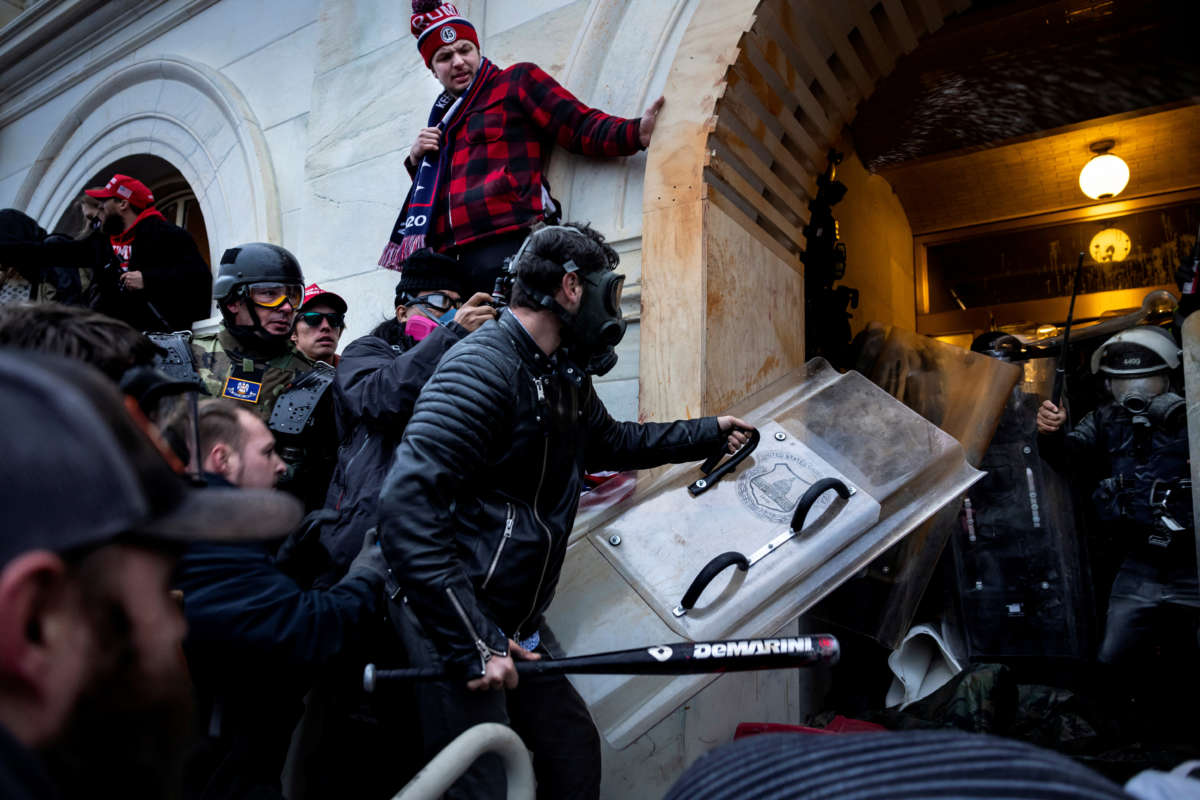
pixel 1191 378
pixel 964 394
pixel 628 566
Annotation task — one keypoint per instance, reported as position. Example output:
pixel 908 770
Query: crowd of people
pixel 299 512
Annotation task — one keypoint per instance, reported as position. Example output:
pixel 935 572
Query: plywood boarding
pixel 673 302
pixel 673 273
pixel 790 93
pixel 757 94
pixel 754 315
pixel 695 83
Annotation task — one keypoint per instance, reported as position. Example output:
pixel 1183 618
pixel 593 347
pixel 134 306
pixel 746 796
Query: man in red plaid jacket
pixel 487 155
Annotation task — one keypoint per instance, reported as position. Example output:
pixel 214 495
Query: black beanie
pixel 427 271
pixel 17 227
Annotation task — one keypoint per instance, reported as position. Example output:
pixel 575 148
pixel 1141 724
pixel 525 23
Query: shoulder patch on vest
pixel 241 389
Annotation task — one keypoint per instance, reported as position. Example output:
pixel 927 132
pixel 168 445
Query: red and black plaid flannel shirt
pixel 497 153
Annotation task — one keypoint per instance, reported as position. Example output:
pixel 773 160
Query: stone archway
pixel 183 112
pixel 760 90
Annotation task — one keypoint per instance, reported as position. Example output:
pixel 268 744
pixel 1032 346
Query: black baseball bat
pixel 1060 370
pixel 673 658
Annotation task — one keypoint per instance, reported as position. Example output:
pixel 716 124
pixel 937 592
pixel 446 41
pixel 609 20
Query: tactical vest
pixel 290 393
pixel 1149 473
pixel 177 360
pixel 232 371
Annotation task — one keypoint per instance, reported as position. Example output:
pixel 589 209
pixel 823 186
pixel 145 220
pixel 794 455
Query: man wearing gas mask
pixel 477 507
pixel 1136 445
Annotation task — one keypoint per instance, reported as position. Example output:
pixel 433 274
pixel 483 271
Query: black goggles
pixel 313 319
pixel 437 301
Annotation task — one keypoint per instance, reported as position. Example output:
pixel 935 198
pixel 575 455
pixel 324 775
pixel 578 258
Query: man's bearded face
pixel 113 225
pixel 133 717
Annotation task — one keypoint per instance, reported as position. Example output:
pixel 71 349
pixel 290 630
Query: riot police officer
pixel 1137 442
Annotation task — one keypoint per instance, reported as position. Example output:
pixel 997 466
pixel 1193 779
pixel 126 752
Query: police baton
pixel 673 658
pixel 1060 369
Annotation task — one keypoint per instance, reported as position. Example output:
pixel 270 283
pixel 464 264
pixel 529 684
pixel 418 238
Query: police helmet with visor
pixel 1136 364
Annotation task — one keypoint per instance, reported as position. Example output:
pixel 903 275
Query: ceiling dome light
pixel 1110 244
pixel 1105 175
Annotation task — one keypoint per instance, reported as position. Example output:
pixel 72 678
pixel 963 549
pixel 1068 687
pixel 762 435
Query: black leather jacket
pixel 477 507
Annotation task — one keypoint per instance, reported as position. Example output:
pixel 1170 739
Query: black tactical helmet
pixel 1143 350
pixel 256 262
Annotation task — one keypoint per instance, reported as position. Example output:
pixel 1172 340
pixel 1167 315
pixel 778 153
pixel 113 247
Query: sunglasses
pixel 273 295
pixel 313 319
pixel 437 301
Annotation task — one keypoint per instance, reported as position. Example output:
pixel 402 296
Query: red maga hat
pixel 314 293
pixel 125 188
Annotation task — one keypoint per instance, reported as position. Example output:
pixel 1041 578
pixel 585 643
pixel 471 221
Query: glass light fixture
pixel 1046 331
pixel 1105 175
pixel 1110 244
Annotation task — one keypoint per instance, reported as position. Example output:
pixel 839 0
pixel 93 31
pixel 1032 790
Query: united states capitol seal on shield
pixel 772 487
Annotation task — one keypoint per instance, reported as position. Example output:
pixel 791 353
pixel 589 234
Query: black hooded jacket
pixel 1130 462
pixel 376 387
pixel 178 283
pixel 57 266
pixel 480 499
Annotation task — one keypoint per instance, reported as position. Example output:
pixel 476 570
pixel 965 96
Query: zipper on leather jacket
pixel 542 406
pixel 485 652
pixel 508 529
pixel 521 633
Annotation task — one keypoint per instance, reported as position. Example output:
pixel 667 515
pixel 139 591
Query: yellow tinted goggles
pixel 273 295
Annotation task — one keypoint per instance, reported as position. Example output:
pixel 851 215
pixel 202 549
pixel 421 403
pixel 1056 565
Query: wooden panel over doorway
pixel 757 94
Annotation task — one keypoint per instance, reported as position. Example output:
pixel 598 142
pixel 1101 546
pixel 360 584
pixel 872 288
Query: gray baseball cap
pixel 81 465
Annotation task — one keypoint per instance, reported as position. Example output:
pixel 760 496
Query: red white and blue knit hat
pixel 437 24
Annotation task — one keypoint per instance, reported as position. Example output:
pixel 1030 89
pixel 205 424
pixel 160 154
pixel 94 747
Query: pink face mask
pixel 418 327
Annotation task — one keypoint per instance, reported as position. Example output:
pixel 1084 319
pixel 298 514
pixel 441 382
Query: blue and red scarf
pixel 416 216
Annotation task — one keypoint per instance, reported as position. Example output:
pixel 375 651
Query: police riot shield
pixel 726 555
pixel 961 392
pixel 1020 586
pixel 1191 379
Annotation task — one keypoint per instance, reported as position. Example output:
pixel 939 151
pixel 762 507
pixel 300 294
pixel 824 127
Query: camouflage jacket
pixel 230 369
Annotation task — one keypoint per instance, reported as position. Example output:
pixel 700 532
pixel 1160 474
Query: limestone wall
pixel 290 119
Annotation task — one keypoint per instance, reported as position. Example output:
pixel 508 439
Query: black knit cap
pixel 18 227
pixel 427 271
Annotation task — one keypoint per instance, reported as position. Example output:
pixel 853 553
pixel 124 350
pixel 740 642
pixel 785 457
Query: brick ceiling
pixel 990 118
pixel 1041 173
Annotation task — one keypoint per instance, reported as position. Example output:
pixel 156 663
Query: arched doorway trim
pixel 179 110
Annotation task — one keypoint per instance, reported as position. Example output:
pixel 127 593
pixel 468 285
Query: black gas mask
pixel 592 333
pixel 597 327
pixel 1148 398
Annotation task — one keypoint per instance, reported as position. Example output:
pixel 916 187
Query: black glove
pixel 369 563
